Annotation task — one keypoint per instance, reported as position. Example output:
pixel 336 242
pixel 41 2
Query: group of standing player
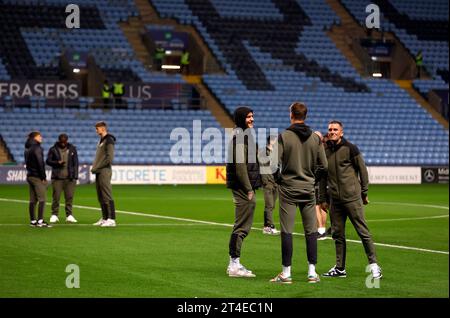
pixel 310 174
pixel 63 159
pixel 306 166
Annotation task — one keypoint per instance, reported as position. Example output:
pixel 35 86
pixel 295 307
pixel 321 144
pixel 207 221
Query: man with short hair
pixel 347 181
pixel 36 178
pixel 63 159
pixel 300 152
pixel 243 178
pixel 101 167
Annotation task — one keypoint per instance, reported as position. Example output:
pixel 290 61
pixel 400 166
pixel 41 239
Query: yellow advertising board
pixel 216 175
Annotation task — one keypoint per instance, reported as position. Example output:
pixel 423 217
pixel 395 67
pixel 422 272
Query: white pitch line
pixel 231 225
pixel 411 219
pixel 413 204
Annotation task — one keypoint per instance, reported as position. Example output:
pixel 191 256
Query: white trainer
pixel 376 272
pixel 71 219
pixel 270 230
pixel 109 223
pixel 240 272
pixel 54 219
pixel 99 222
pixel 231 266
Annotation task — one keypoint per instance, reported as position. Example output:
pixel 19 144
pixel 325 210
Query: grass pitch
pixel 172 241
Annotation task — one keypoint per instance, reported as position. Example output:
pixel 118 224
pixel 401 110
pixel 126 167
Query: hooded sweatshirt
pixel 299 153
pixel 104 155
pixel 242 174
pixel 34 159
pixel 348 179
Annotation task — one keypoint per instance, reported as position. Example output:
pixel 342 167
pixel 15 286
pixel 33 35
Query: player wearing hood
pixel 243 178
pixel 36 178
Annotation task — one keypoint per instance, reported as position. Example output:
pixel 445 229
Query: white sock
pixel 286 271
pixel 311 269
pixel 321 230
pixel 373 266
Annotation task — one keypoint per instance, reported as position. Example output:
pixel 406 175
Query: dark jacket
pixel 34 159
pixel 301 155
pixel 104 155
pixel 243 175
pixel 268 179
pixel 54 156
pixel 347 178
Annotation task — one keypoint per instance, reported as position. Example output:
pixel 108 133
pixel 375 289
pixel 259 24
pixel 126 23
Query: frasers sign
pixel 157 175
pixel 21 90
pixel 394 175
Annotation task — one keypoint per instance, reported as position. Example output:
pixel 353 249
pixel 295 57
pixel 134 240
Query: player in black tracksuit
pixel 36 178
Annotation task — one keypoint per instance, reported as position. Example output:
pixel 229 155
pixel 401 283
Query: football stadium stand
pixel 273 52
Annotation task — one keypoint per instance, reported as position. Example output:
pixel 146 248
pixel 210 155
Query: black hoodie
pixel 53 158
pixel 246 175
pixel 34 159
pixel 239 116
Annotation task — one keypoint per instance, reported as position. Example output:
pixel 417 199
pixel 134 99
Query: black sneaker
pixel 33 223
pixel 43 224
pixel 334 272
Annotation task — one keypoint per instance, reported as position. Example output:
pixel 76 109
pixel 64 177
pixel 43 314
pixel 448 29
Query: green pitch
pixel 163 251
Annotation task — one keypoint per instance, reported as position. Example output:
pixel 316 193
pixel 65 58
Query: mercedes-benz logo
pixel 429 175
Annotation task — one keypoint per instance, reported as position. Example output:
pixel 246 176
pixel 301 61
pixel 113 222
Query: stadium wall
pixel 155 174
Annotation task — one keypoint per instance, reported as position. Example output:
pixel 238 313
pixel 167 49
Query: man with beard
pixel 243 178
pixel 63 159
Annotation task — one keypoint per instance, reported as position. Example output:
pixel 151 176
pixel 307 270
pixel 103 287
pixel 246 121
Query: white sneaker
pixel 54 219
pixel 231 266
pixel 270 230
pixel 71 219
pixel 376 272
pixel 109 223
pixel 240 272
pixel 99 222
